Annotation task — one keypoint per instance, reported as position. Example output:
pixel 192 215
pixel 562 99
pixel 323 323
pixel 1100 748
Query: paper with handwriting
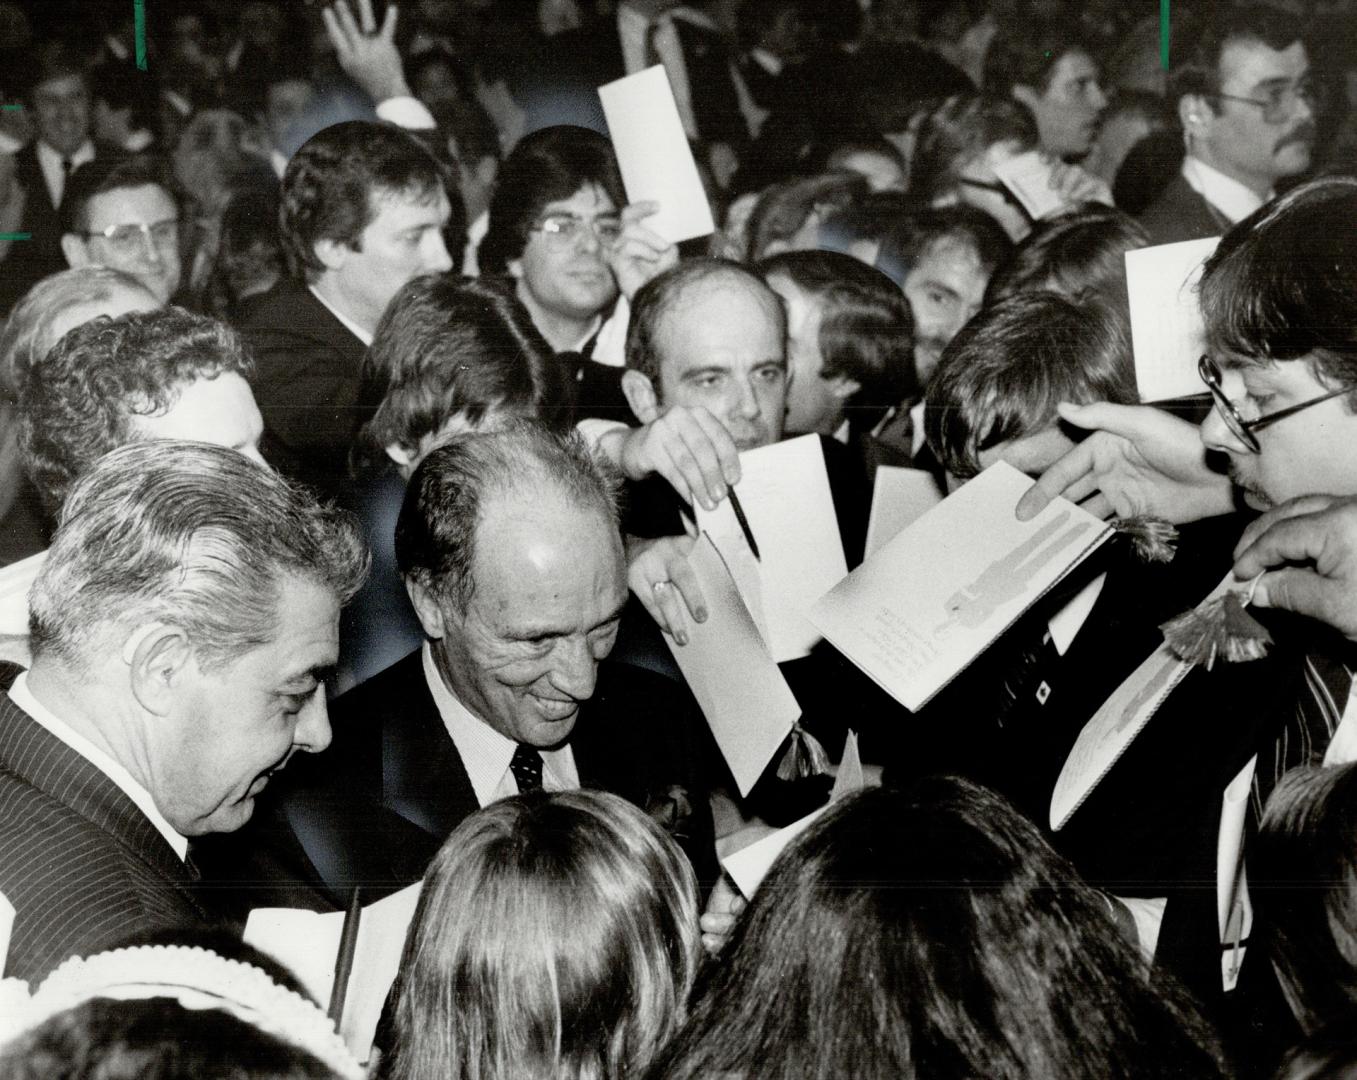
pixel 921 609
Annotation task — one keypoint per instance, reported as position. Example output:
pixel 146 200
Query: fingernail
pixel 720 493
pixel 700 615
pixel 707 504
pixel 681 637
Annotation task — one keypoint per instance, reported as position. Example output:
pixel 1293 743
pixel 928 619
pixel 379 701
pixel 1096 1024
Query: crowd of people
pixel 354 420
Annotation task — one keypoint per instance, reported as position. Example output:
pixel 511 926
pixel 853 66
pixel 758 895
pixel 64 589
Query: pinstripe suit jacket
pixel 82 865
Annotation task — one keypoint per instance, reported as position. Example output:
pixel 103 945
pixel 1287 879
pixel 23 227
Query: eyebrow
pixel 699 372
pixel 321 674
pixel 930 283
pixel 536 633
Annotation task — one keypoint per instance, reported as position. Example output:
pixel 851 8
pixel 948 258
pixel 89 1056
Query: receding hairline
pixel 694 291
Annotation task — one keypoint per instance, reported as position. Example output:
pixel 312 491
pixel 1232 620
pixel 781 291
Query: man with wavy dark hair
pixel 364 208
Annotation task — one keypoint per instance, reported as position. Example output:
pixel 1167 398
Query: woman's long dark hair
pixel 931 932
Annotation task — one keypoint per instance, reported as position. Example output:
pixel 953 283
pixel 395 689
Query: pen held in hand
pixel 744 523
pixel 348 945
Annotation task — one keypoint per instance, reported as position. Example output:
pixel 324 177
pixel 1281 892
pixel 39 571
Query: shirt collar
pixel 484 751
pixel 1225 193
pixel 20 694
pixel 349 325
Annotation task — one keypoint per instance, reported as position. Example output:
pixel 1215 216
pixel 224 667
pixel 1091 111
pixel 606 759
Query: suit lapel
pixel 34 754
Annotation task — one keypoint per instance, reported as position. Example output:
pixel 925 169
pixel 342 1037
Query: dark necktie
pixel 526 765
pixel 1305 736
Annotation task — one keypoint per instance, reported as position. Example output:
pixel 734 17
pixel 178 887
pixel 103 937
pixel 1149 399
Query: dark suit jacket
pixel 375 807
pixel 29 261
pixel 83 867
pixel 1181 214
pixel 308 384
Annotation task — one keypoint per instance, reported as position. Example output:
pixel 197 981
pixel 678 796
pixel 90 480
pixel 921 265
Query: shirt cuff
pixel 406 112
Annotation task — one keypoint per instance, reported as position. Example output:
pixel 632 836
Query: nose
pixel 747 405
pixel 1216 434
pixel 438 260
pixel 313 724
pixel 1096 97
pixel 150 251
pixel 575 670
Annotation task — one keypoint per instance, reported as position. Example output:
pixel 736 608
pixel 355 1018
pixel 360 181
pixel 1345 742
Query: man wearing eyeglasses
pixel 1281 321
pixel 1247 107
pixel 121 213
pixel 561 231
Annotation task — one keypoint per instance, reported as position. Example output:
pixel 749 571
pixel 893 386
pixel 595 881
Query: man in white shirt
pixel 183 623
pixel 1247 107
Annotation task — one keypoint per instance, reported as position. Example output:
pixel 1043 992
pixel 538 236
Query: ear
pixel 842 387
pixel 1192 110
pixel 428 609
pixel 1027 95
pixel 515 268
pixel 159 658
pixel 641 396
pixel 486 170
pixel 333 254
pixel 404 459
pixel 75 250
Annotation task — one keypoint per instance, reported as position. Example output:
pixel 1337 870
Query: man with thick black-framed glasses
pixel 1247 106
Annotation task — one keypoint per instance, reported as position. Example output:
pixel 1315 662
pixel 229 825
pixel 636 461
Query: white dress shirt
pixel 349 325
pixel 24 699
pixel 1226 194
pixel 485 753
pixel 54 173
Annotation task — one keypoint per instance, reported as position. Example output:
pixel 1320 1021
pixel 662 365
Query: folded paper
pixel 899 498
pixel 1168 334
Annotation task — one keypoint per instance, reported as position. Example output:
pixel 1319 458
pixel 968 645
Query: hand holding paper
pixel 640 253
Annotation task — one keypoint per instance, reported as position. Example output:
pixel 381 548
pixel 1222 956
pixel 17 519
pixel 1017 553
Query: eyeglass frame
pixel 996 188
pixel 578 223
pixel 147 231
pixel 1243 430
pixel 1305 91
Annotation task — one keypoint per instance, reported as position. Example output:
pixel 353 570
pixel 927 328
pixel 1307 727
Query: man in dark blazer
pixel 1246 105
pixel 58 102
pixel 363 211
pixel 187 607
pixel 509 547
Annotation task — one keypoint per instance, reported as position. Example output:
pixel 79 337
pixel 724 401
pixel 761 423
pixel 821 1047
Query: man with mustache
pixel 182 626
pixel 1246 103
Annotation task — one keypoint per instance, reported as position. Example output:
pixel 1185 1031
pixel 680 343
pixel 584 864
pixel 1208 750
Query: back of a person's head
pixel 786 209
pixel 188 1007
pixel 959 131
pixel 458 348
pixel 866 329
pixel 930 932
pixel 1279 285
pixel 1005 372
pixel 547 166
pixel 82 399
pixel 1305 867
pixel 333 183
pixel 1079 255
pixel 32 327
pixel 556 936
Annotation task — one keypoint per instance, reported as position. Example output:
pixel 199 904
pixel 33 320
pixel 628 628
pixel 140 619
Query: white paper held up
pixel 1168 335
pixel 784 490
pixel 653 154
pixel 1116 724
pixel 307 942
pixel 899 498
pixel 922 608
pixel 741 692
pixel 6 929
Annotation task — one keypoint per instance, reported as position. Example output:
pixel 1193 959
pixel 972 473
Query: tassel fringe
pixel 1152 539
pixel 1219 628
pixel 804 757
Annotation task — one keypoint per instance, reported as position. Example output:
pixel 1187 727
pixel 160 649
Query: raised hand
pixel 366 54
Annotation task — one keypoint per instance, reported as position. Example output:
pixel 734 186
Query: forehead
pixel 209 404
pixel 63 86
pixel 723 320
pixel 590 199
pixel 393 210
pixel 144 204
pixel 1072 67
pixel 951 260
pixel 1247 62
pixel 536 550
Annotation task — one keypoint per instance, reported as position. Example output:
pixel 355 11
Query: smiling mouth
pixel 555 710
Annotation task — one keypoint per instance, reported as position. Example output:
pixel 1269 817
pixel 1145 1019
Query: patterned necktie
pixel 526 765
pixel 1305 736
